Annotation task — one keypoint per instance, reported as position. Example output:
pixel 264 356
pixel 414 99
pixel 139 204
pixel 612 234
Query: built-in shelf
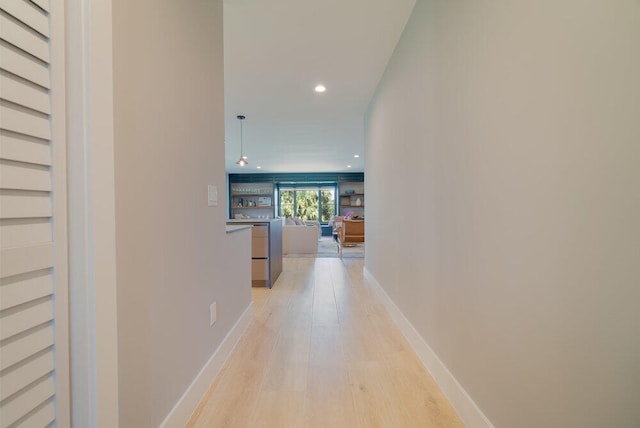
pixel 350 193
pixel 253 196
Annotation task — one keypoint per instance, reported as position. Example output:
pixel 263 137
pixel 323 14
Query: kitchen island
pixel 266 249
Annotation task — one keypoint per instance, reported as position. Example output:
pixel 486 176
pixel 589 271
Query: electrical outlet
pixel 213 313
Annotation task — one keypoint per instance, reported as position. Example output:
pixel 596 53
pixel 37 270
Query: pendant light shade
pixel 243 159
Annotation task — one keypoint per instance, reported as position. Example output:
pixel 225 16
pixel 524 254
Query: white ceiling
pixel 277 51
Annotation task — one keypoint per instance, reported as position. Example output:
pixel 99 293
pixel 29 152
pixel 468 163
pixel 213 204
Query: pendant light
pixel 243 159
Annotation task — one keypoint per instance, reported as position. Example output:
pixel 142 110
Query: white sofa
pixel 300 239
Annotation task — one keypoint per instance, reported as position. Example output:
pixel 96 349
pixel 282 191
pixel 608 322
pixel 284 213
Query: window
pixel 328 203
pixel 308 202
pixel 286 203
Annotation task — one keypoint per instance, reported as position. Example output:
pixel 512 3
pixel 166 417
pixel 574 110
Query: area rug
pixel 328 248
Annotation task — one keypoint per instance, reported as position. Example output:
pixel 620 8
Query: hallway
pixel 322 351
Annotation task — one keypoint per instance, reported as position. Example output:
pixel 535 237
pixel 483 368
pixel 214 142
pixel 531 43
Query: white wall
pixel 169 144
pixel 503 202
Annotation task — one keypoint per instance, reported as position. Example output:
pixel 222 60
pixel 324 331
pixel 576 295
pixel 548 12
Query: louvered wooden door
pixel 32 230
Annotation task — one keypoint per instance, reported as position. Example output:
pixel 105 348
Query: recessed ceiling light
pixel 356 156
pixel 258 167
pixel 320 88
pixel 348 166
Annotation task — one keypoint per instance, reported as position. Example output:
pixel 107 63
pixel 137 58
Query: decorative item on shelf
pixel 349 192
pixel 243 159
pixel 264 201
pixel 358 202
pixel 348 215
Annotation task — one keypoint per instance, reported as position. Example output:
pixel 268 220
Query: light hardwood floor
pixel 322 351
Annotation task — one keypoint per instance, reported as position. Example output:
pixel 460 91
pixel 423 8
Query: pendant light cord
pixel 241 161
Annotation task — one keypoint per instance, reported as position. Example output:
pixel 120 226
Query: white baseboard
pixel 187 404
pixel 466 408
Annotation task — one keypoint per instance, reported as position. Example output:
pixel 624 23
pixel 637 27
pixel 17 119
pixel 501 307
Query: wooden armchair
pixel 350 233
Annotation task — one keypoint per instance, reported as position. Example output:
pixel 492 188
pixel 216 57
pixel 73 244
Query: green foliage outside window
pixel 286 203
pixel 306 204
pixel 328 205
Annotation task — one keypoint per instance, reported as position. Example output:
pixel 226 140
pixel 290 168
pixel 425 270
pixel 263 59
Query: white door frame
pixel 91 210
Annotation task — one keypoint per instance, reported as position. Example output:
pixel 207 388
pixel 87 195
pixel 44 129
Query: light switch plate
pixel 212 195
